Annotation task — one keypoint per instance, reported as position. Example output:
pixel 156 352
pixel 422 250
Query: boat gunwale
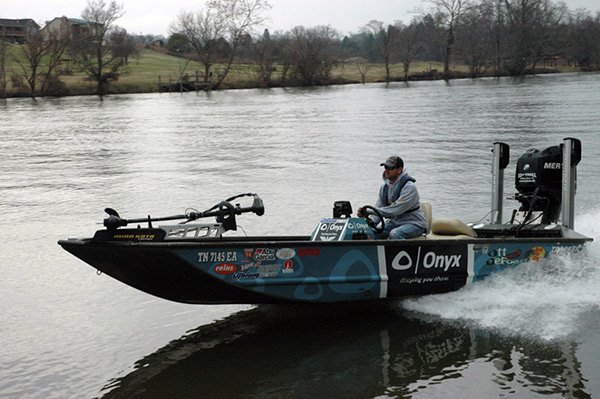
pixel 305 241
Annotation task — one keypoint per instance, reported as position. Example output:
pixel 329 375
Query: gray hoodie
pixel 400 203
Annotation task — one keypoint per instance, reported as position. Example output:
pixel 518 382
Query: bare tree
pixel 230 20
pixel 476 39
pixel 581 45
pixel 123 45
pixel 202 31
pixel 450 11
pixel 33 51
pixel 58 45
pixel 264 58
pixel 409 43
pixel 92 48
pixel 385 38
pixel 362 66
pixel 528 26
pixel 241 18
pixel 312 53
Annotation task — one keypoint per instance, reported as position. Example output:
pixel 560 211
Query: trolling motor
pixel 224 212
pixel 545 182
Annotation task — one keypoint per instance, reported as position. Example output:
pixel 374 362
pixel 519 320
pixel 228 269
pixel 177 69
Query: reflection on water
pixel 335 351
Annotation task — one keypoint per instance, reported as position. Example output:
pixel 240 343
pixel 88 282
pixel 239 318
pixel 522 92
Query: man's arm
pixel 409 199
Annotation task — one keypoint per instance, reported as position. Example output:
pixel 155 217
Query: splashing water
pixel 551 299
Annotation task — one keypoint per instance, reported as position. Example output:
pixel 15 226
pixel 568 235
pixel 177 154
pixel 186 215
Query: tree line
pixel 489 37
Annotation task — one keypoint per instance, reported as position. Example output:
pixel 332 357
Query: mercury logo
pixel 403 261
pixel 552 165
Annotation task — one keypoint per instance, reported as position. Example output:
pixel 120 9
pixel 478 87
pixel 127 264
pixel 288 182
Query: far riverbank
pixel 153 72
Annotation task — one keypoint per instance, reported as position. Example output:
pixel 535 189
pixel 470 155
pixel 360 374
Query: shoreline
pixel 116 88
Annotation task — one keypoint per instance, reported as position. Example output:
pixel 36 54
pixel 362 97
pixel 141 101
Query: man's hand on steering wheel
pixel 368 212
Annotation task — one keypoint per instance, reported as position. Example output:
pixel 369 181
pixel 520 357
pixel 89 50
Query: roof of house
pixel 16 22
pixel 72 21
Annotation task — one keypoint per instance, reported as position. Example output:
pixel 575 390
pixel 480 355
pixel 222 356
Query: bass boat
pixel 342 260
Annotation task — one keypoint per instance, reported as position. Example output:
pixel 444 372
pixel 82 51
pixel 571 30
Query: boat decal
pixel 566 249
pixel 225 268
pixel 285 253
pixel 288 266
pixel 217 256
pixel 245 275
pixel 311 272
pixel 383 286
pixel 425 268
pixel 264 254
pixel 495 257
pixel 308 252
pixel 268 271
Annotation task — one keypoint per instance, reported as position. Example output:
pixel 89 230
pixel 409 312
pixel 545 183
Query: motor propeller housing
pixel 538 181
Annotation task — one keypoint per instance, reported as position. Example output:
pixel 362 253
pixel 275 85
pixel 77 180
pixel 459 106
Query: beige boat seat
pixel 450 229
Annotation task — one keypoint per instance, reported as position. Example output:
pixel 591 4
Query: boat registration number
pixel 222 256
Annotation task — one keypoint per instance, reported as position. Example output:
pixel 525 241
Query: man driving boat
pixel 399 203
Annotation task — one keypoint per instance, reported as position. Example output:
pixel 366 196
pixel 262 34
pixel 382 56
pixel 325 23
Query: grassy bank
pixel 144 73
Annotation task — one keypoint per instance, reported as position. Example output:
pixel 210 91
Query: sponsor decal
pixel 552 165
pixel 501 257
pixel 285 253
pixel 140 237
pixel 432 269
pixel 358 226
pixel 245 275
pixel 526 177
pixel 264 254
pixel 429 260
pixel 537 253
pixel 249 265
pixel 223 256
pixel 308 252
pixel 266 271
pixel 566 249
pixel 248 253
pixel 334 227
pixel 288 266
pixel 225 268
pixel 330 230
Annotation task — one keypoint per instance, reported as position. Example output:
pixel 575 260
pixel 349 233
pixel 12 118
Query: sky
pixel 155 16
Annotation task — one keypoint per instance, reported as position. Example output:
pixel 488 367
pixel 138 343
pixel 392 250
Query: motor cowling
pixel 538 181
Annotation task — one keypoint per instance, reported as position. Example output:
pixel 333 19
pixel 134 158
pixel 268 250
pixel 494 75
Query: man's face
pixel 392 173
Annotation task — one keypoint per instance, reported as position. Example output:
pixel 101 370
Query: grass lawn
pixel 145 72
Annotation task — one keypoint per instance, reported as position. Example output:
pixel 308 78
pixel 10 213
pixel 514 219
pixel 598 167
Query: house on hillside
pixel 67 28
pixel 15 30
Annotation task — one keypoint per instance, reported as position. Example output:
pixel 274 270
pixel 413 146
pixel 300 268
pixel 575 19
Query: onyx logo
pixel 430 260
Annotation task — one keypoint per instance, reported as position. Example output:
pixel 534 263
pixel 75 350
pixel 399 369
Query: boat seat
pixel 426 209
pixel 450 229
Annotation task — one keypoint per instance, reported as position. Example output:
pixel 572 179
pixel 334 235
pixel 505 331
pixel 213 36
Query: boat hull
pixel 294 269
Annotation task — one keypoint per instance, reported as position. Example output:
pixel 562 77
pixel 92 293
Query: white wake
pixel 550 299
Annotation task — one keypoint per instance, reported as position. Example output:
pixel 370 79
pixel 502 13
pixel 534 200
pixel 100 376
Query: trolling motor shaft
pixel 224 211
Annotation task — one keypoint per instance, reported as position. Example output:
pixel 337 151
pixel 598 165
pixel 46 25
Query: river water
pixel 68 333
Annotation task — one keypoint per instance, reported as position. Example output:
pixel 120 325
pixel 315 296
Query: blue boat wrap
pixel 332 273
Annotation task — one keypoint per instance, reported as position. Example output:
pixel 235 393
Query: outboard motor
pixel 539 183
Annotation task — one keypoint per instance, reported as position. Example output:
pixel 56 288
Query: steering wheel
pixel 372 222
